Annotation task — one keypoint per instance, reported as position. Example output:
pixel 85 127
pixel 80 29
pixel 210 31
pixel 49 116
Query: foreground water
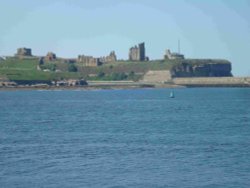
pixel 125 138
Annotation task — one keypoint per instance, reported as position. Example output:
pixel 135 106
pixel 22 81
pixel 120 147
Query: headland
pixel 24 70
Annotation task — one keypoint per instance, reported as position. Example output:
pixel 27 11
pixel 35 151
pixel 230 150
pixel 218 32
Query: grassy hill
pixel 27 69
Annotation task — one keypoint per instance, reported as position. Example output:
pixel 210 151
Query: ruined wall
pixel 23 52
pixel 89 61
pixel 137 53
pixel 50 56
pixel 134 54
pixel 169 55
pixel 93 62
pixel 110 58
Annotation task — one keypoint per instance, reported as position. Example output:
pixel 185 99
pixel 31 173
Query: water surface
pixel 125 138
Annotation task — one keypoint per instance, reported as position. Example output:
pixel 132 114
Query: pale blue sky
pixel 206 28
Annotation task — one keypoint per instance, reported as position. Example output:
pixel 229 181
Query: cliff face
pixel 202 68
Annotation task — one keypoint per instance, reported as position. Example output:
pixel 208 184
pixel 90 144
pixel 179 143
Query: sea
pixel 125 138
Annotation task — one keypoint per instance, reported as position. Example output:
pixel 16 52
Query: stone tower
pixel 141 51
pixel 137 53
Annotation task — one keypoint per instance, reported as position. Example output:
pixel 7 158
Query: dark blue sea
pixel 125 138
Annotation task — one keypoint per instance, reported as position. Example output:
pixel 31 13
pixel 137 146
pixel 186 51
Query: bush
pixel 131 75
pixel 72 68
pixel 51 67
pixel 119 76
pixel 100 74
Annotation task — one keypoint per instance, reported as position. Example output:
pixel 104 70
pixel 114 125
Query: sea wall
pixel 213 81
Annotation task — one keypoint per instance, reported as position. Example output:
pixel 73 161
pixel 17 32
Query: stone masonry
pixel 89 61
pixel 93 62
pixel 112 57
pixel 50 56
pixel 23 52
pixel 137 53
pixel 170 55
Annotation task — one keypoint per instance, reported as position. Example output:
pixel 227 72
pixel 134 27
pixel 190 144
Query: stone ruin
pixel 94 62
pixel 110 58
pixel 89 61
pixel 137 53
pixel 170 55
pixel 23 52
pixel 50 56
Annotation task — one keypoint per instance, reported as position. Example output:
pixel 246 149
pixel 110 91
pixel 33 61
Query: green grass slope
pixel 26 69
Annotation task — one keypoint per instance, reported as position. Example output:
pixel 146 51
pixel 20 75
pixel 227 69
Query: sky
pixel 217 29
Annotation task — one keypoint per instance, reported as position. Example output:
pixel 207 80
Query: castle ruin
pixel 21 52
pixel 171 56
pixel 110 58
pixel 137 53
pixel 50 56
pixel 89 61
pixel 93 62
